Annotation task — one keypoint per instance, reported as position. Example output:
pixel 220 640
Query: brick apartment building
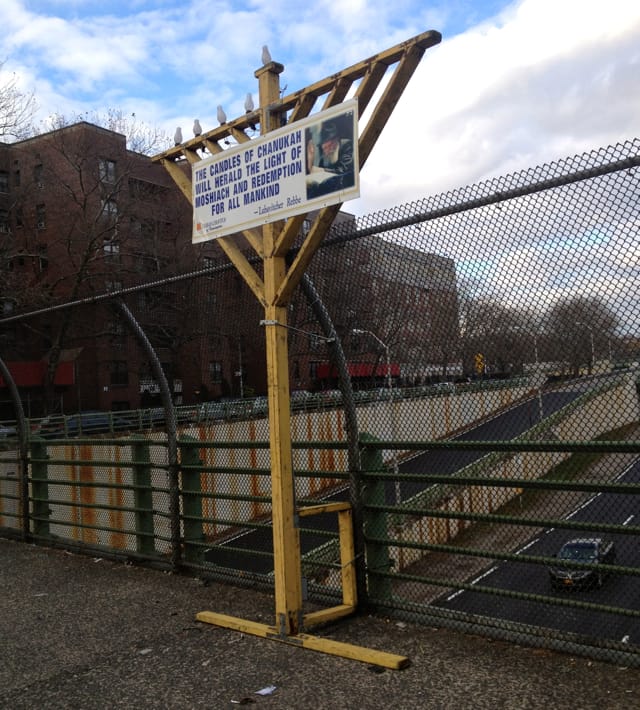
pixel 81 215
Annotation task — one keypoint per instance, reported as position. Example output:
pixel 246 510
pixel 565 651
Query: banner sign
pixel 306 165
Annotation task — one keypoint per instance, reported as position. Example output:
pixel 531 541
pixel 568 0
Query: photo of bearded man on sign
pixel 330 164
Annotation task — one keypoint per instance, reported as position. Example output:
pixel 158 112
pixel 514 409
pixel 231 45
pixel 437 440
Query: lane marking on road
pixel 527 546
pixel 491 570
pixel 629 519
pixel 584 505
pixel 626 470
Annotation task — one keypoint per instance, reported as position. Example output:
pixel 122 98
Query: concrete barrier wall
pixel 596 414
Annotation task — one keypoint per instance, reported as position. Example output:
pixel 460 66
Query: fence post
pixel 375 523
pixel 39 488
pixel 143 495
pixel 191 500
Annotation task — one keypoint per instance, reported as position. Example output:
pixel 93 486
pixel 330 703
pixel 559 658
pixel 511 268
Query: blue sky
pixel 512 85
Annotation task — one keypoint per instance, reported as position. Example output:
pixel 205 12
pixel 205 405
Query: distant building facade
pixel 80 216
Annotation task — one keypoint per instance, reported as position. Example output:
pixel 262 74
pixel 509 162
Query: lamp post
pixel 394 427
pixel 239 371
pixel 537 359
pixel 593 352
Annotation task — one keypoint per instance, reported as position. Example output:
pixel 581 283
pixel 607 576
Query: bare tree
pixel 505 336
pixel 17 109
pixel 141 137
pixel 580 328
pixel 98 216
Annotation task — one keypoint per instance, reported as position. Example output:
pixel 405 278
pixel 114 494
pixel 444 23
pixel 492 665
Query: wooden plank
pixel 323 508
pixel 315 643
pixel 232 622
pixel 389 57
pixel 239 135
pixel 347 558
pixel 289 234
pixel 212 146
pixel 191 156
pixel 356 653
pixel 303 107
pixel 286 538
pixel 392 93
pixel 179 177
pixel 369 84
pixel 254 237
pixel 303 257
pixel 338 92
pixel 325 616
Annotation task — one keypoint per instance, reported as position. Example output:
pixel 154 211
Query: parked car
pixel 448 387
pixel 330 396
pixel 593 551
pixel 211 411
pixel 260 406
pixel 7 432
pixel 82 424
pixel 300 399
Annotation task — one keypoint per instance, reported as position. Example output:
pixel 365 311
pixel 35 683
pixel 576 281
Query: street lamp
pixel 360 331
pixel 593 352
pixel 394 428
pixel 239 370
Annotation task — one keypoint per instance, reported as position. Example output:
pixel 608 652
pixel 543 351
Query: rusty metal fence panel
pixel 491 340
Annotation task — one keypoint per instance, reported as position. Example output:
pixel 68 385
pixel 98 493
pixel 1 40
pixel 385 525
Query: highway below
pixel 504 426
pixel 622 591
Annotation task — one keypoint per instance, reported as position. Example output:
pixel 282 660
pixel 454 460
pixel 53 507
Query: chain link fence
pixel 463 369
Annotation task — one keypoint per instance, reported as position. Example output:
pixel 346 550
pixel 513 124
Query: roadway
pixel 622 591
pixel 504 426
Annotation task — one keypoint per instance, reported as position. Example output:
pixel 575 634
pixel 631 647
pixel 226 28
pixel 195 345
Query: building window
pixel 41 218
pixel 107 171
pixel 316 341
pixel 43 259
pixel 19 217
pixel 4 181
pixel 110 246
pixel 118 333
pixel 38 172
pixel 4 221
pixel 16 178
pixel 110 209
pixel 119 373
pixel 313 369
pixel 113 286
pixel 215 372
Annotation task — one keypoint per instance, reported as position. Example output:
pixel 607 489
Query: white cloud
pixel 543 80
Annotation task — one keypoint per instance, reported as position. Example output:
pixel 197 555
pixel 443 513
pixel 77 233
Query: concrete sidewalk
pixel 80 632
